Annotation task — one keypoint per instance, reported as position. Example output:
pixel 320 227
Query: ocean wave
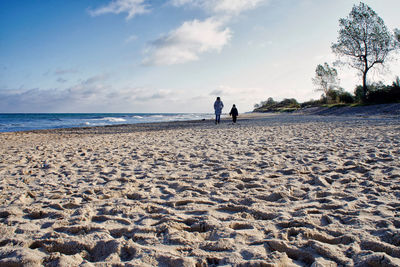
pixel 23 122
pixel 110 119
pixel 156 116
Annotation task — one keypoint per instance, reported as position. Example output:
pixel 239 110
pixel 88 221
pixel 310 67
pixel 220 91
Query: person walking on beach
pixel 234 113
pixel 218 106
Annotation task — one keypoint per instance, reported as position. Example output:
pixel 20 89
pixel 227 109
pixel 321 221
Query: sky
pixel 171 56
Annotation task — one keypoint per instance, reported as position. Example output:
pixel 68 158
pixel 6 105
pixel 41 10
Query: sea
pixel 37 121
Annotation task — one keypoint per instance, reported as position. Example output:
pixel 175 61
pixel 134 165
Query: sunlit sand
pixel 273 190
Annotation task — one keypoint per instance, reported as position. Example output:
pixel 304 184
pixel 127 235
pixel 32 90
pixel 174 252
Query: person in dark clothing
pixel 234 113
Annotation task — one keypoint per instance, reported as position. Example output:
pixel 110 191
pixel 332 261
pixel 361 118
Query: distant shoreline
pixel 16 122
pixel 382 110
pixel 368 110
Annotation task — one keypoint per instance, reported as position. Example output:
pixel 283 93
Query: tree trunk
pixel 365 88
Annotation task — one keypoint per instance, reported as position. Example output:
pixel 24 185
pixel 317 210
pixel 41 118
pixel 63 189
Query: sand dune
pixel 278 190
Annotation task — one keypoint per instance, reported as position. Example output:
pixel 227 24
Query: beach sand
pixel 273 190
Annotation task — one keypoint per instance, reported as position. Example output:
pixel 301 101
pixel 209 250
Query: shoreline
pixel 282 189
pixel 391 111
pixel 243 119
pixel 43 121
pixel 148 126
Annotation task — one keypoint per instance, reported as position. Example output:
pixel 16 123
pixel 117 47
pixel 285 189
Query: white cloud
pixel 97 79
pixel 61 80
pixel 216 92
pixel 220 6
pixel 187 42
pixel 146 95
pixel 243 97
pixel 131 38
pixel 65 71
pixel 233 6
pixel 192 38
pixel 132 7
pixel 196 37
pixel 90 95
pixel 259 44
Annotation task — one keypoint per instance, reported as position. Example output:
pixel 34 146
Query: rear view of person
pixel 218 106
pixel 234 113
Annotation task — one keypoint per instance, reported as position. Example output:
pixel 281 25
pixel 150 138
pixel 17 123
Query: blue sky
pixel 169 56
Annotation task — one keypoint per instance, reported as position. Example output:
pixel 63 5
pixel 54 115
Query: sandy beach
pixel 273 190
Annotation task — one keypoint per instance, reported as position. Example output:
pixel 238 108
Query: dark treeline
pixel 377 93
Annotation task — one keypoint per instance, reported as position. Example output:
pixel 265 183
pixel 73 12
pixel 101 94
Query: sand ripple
pixel 287 191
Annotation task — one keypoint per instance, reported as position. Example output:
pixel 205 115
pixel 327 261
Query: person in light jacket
pixel 218 106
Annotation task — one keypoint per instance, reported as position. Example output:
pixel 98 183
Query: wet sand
pixel 273 190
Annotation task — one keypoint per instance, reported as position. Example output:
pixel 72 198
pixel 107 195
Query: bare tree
pixel 364 39
pixel 325 78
